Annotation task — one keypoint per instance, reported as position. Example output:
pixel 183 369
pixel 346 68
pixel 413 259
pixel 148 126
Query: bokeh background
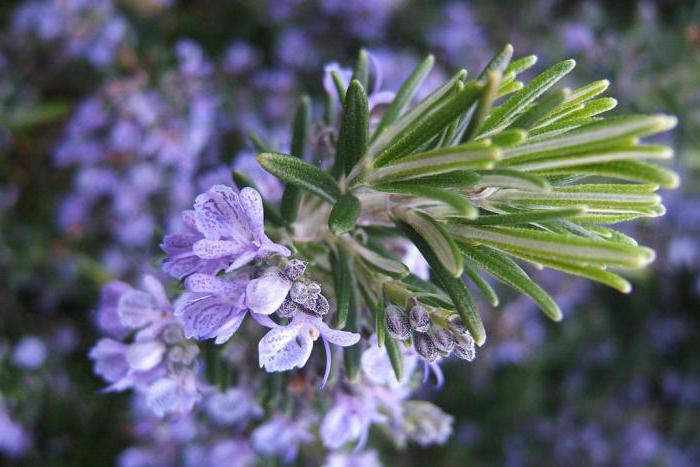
pixel 115 113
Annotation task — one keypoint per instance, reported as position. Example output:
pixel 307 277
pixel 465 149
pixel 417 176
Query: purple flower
pixel 14 440
pixel 234 407
pixel 282 436
pixel 233 453
pixel 229 234
pixel 160 362
pixel 287 347
pixel 29 353
pixel 173 394
pixel 349 420
pixel 213 308
pixel 181 260
pixel 240 57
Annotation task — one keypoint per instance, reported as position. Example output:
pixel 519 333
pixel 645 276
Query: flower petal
pixel 213 249
pixel 199 282
pixel 144 356
pixel 136 309
pixel 252 205
pixel 202 315
pixel 334 336
pixel 265 294
pixel 154 287
pixel 284 348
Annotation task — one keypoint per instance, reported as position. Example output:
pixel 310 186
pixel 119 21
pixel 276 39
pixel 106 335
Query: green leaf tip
pixel 344 214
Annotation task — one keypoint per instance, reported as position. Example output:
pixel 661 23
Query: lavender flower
pixel 159 362
pixel 231 229
pixel 14 439
pixel 29 353
pixel 349 420
pixel 287 347
pixel 282 436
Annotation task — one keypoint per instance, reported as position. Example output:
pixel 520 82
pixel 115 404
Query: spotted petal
pixel 202 315
pixel 284 348
pixel 213 249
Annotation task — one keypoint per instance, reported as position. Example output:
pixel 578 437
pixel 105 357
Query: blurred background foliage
pixel 616 383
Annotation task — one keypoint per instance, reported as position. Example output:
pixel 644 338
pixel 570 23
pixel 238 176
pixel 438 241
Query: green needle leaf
pixel 507 271
pixel 441 243
pixel 587 251
pixel 301 174
pixel 361 71
pixel 406 92
pixel 344 214
pixel 525 217
pixel 456 201
pixel 354 130
pixel 473 155
pixel 504 113
pixel 291 197
pixel 481 284
pixel 428 126
pixel 508 178
pixel 499 62
pixel 380 263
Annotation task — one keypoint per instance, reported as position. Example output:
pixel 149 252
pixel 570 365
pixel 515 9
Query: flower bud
pixel 295 269
pixel 396 323
pixel 419 319
pixel 456 324
pixel 464 346
pixel 443 340
pixel 425 347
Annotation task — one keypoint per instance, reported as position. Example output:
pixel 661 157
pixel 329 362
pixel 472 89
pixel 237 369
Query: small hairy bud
pixel 464 346
pixel 456 324
pixel 288 309
pixel 425 347
pixel 397 324
pixel 419 319
pixel 295 269
pixel 443 340
pixel 299 293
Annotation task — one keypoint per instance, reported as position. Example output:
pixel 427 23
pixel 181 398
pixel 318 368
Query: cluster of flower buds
pixel 304 295
pixel 430 339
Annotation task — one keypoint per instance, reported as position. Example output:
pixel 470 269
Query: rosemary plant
pixel 479 175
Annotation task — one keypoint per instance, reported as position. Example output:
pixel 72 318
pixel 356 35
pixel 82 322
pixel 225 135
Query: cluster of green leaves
pixel 481 174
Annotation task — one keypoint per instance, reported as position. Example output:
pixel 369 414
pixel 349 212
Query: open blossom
pixel 287 347
pixel 282 436
pixel 226 232
pixel 349 420
pixel 159 362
